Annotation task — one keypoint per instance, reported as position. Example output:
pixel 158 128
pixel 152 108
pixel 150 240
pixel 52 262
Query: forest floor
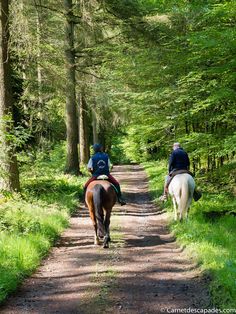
pixel 143 271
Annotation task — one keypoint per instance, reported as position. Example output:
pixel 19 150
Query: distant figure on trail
pixel 99 164
pixel 178 163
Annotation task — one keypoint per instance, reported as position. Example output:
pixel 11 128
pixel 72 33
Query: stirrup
pixel 121 201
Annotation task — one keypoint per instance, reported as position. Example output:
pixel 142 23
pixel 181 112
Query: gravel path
pixel 144 271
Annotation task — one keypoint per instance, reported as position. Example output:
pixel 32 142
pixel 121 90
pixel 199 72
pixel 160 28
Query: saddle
pixel 104 177
pixel 175 172
pixel 196 194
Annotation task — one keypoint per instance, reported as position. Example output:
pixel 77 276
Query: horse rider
pixel 178 160
pixel 99 164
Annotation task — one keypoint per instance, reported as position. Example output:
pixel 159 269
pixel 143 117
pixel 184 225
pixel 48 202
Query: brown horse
pixel 100 197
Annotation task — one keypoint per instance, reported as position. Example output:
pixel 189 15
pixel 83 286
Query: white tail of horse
pixel 181 190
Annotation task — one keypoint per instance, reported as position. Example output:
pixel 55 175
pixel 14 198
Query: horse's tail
pixel 98 193
pixel 184 198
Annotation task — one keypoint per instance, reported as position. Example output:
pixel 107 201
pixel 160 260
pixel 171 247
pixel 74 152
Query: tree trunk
pixel 95 127
pixel 101 137
pixel 39 80
pixel 72 165
pixel 83 133
pixel 39 68
pixel 9 171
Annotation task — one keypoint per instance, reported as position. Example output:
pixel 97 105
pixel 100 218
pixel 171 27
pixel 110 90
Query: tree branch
pixel 57 11
pixel 48 8
pixel 88 73
pixel 96 44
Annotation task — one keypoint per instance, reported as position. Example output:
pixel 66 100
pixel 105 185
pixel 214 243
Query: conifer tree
pixel 9 171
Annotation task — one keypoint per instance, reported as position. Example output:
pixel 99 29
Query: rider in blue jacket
pixel 99 164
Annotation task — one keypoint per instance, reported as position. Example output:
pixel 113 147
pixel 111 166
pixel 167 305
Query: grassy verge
pixel 209 239
pixel 30 223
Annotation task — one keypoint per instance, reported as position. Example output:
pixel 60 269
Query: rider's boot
pixel 121 200
pixel 164 196
pixel 196 195
pixel 119 196
pixel 83 197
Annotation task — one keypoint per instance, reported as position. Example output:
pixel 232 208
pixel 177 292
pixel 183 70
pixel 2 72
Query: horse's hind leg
pixel 188 207
pixel 175 208
pixel 96 238
pixel 93 218
pixel 107 229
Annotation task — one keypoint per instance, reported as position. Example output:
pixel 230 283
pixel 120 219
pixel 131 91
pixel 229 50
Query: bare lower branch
pixel 48 8
pixel 92 74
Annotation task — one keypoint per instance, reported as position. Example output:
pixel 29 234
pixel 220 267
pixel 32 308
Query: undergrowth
pixel 210 232
pixel 31 222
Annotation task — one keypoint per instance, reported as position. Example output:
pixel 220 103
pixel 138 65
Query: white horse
pixel 181 190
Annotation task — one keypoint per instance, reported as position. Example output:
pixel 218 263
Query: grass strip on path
pixel 105 274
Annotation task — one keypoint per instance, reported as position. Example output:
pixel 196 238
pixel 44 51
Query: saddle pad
pixel 102 177
pixel 175 172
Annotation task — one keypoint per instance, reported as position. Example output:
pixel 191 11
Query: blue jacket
pixel 179 160
pixel 100 164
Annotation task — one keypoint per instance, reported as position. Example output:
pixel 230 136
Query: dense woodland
pixel 134 75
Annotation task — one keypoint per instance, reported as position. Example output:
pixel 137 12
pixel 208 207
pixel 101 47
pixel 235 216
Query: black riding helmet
pixel 97 148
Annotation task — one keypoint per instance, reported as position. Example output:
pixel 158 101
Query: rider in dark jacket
pixel 178 160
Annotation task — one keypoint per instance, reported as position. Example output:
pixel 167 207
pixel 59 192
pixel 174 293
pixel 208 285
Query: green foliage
pixel 160 71
pixel 153 72
pixel 124 8
pixel 38 67
pixel 117 152
pixel 174 80
pixel 156 171
pixel 208 240
pixel 30 224
pixel 212 245
pixel 19 256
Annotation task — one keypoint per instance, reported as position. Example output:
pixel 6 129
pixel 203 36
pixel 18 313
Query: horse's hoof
pixel 97 242
pixel 101 235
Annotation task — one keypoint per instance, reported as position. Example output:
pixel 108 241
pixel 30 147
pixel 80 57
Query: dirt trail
pixel 143 271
